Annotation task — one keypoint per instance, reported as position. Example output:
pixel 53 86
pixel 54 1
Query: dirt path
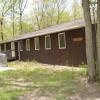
pixel 58 67
pixel 88 92
pixel 85 92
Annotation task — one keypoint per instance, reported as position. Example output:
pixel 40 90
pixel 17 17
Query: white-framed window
pixel 61 41
pixel 28 44
pixel 21 45
pixel 5 47
pixel 36 43
pixel 12 46
pixel 47 42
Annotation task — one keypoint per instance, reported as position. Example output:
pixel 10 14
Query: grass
pixel 28 76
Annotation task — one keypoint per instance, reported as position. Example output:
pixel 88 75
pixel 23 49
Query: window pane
pixel 28 44
pixel 37 47
pixel 12 46
pixel 48 42
pixel 21 45
pixel 2 47
pixel 62 42
pixel 8 46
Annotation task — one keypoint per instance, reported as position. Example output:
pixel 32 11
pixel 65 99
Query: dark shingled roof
pixel 53 29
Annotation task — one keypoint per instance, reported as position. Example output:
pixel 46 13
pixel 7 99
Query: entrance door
pixel 19 50
pixel 77 49
pixel 13 49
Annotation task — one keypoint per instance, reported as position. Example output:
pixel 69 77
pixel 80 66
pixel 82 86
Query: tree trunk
pixel 89 41
pixel 13 24
pixel 2 30
pixel 98 37
pixel 20 26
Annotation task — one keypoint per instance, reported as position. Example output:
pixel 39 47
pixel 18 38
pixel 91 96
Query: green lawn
pixel 28 76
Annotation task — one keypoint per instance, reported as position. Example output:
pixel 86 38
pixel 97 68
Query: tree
pixel 13 12
pixel 60 9
pixel 4 9
pixel 1 24
pixel 89 41
pixel 89 31
pixel 98 37
pixel 77 11
pixel 49 12
pixel 22 5
pixel 13 15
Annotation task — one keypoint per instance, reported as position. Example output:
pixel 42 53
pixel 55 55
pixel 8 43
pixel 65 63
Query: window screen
pixel 47 42
pixel 37 45
pixel 62 40
pixel 28 44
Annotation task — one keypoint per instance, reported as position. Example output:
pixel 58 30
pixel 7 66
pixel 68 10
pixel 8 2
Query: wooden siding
pixel 74 54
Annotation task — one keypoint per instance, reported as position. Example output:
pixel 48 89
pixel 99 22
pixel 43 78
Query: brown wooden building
pixel 62 44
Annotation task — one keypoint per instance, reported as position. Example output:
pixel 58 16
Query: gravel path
pixel 5 68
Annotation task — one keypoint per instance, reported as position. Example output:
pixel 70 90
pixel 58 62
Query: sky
pixel 28 7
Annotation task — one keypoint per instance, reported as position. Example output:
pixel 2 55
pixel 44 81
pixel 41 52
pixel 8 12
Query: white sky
pixel 28 7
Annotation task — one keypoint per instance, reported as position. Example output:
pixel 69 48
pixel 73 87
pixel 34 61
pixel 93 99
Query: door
pixel 13 49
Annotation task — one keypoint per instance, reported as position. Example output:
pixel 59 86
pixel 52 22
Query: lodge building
pixel 62 44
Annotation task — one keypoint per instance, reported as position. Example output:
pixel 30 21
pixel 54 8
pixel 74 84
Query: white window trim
pixel 20 45
pixel 59 40
pixel 35 43
pixel 27 40
pixel 45 42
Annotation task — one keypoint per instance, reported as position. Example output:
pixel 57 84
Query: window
pixel 2 47
pixel 21 45
pixel 47 42
pixel 28 44
pixel 61 40
pixel 5 47
pixel 8 46
pixel 37 45
pixel 12 46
